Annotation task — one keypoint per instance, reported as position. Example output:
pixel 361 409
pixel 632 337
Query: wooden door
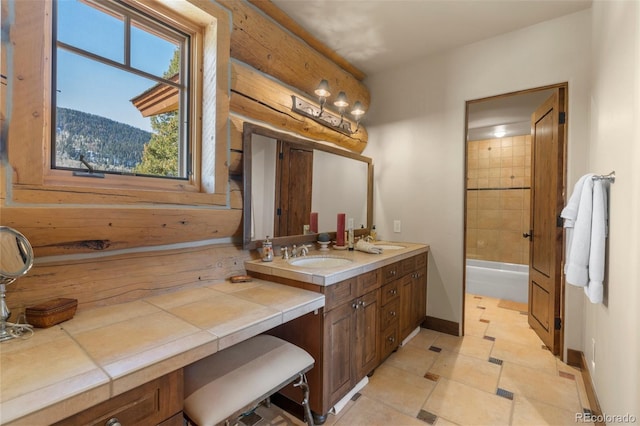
pixel 545 254
pixel 294 177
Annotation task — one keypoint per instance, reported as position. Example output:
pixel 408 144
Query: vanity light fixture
pixel 325 117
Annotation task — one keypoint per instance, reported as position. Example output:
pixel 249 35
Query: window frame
pixel 29 144
pixel 182 39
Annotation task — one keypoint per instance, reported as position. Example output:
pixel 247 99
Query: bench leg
pixel 302 384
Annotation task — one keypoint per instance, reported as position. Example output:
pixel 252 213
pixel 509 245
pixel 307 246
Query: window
pixel 122 92
pixel 199 92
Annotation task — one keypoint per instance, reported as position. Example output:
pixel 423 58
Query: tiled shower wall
pixel 498 199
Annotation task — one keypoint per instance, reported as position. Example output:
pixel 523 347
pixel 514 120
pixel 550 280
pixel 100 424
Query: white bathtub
pixel 500 280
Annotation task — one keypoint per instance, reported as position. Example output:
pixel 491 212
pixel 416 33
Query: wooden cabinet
pixel 404 301
pixel 156 402
pixel 350 334
pixel 364 319
pixel 389 318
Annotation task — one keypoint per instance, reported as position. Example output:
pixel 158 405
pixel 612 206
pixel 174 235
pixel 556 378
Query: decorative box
pixel 51 312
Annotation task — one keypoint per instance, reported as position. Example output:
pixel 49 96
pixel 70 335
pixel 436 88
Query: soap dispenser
pixel 267 250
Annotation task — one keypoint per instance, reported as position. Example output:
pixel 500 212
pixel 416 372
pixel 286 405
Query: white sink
pixel 389 246
pixel 319 261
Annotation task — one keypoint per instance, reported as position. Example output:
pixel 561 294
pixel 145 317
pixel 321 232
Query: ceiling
pixel 377 35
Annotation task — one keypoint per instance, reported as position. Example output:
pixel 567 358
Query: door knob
pixel 528 235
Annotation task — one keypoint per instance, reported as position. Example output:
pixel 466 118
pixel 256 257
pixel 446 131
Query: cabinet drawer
pixel 390 272
pixel 340 293
pixel 407 266
pixel 149 404
pixel 421 260
pixel 368 281
pixel 389 314
pixel 389 341
pixel 389 292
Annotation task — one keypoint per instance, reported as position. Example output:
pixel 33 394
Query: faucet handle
pixel 285 252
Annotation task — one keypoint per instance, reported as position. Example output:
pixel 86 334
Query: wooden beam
pixel 263 99
pixel 292 26
pixel 256 41
pixel 126 277
pixel 68 230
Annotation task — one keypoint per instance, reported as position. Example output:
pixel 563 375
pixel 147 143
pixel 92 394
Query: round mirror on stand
pixel 16 258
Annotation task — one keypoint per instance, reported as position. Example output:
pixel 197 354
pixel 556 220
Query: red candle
pixel 340 230
pixel 313 222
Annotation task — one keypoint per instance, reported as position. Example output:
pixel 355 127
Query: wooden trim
pixel 577 359
pixel 292 26
pixel 442 325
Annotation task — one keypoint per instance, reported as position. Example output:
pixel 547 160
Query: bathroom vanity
pixel 123 363
pixel 372 303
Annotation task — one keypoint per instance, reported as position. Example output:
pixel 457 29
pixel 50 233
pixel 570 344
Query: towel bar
pixel 611 177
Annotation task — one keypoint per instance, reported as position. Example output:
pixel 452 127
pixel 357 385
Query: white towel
pixel 585 222
pixel 599 232
pixel 366 247
pixel 577 215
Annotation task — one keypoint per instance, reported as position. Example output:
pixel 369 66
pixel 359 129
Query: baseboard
pixel 442 325
pixel 577 359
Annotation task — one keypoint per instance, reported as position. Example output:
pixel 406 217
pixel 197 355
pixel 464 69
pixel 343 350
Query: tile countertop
pixel 106 351
pixel 361 262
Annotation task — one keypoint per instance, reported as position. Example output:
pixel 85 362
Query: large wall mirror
pixel 287 178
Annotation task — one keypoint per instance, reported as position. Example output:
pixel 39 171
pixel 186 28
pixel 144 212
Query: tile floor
pixel 499 373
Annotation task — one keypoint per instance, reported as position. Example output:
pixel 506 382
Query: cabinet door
pixel 367 330
pixel 339 351
pixel 419 306
pixel 407 297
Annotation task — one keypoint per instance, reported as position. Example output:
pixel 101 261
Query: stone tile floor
pixel 499 373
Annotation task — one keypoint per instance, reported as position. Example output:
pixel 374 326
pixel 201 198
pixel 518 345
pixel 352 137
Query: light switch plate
pixel 397 227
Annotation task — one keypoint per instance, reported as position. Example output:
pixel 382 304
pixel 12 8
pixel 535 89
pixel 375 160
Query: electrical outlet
pixel 397 227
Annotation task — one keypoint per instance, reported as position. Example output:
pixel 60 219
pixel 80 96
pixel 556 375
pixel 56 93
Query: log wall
pixel 74 234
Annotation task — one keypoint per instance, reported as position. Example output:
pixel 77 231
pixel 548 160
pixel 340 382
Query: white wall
pixel 615 130
pixel 416 138
pixel 417 143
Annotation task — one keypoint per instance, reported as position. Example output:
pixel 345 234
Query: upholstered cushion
pixel 224 383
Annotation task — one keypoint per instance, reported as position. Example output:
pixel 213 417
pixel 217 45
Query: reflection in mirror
pixel 294 177
pixel 338 187
pixel 16 258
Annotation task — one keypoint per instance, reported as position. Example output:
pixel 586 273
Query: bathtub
pixel 500 280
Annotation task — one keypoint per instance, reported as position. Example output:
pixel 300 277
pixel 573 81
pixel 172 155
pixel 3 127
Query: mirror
pixel 291 176
pixel 16 258
pixel 16 255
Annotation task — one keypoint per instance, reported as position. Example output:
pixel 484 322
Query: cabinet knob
pixel 361 303
pixel 355 305
pixel 391 339
pixel 392 313
pixel 113 422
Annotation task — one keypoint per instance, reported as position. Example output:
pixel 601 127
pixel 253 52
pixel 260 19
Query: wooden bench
pixel 222 386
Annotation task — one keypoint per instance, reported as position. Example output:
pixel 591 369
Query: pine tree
pixel 160 156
